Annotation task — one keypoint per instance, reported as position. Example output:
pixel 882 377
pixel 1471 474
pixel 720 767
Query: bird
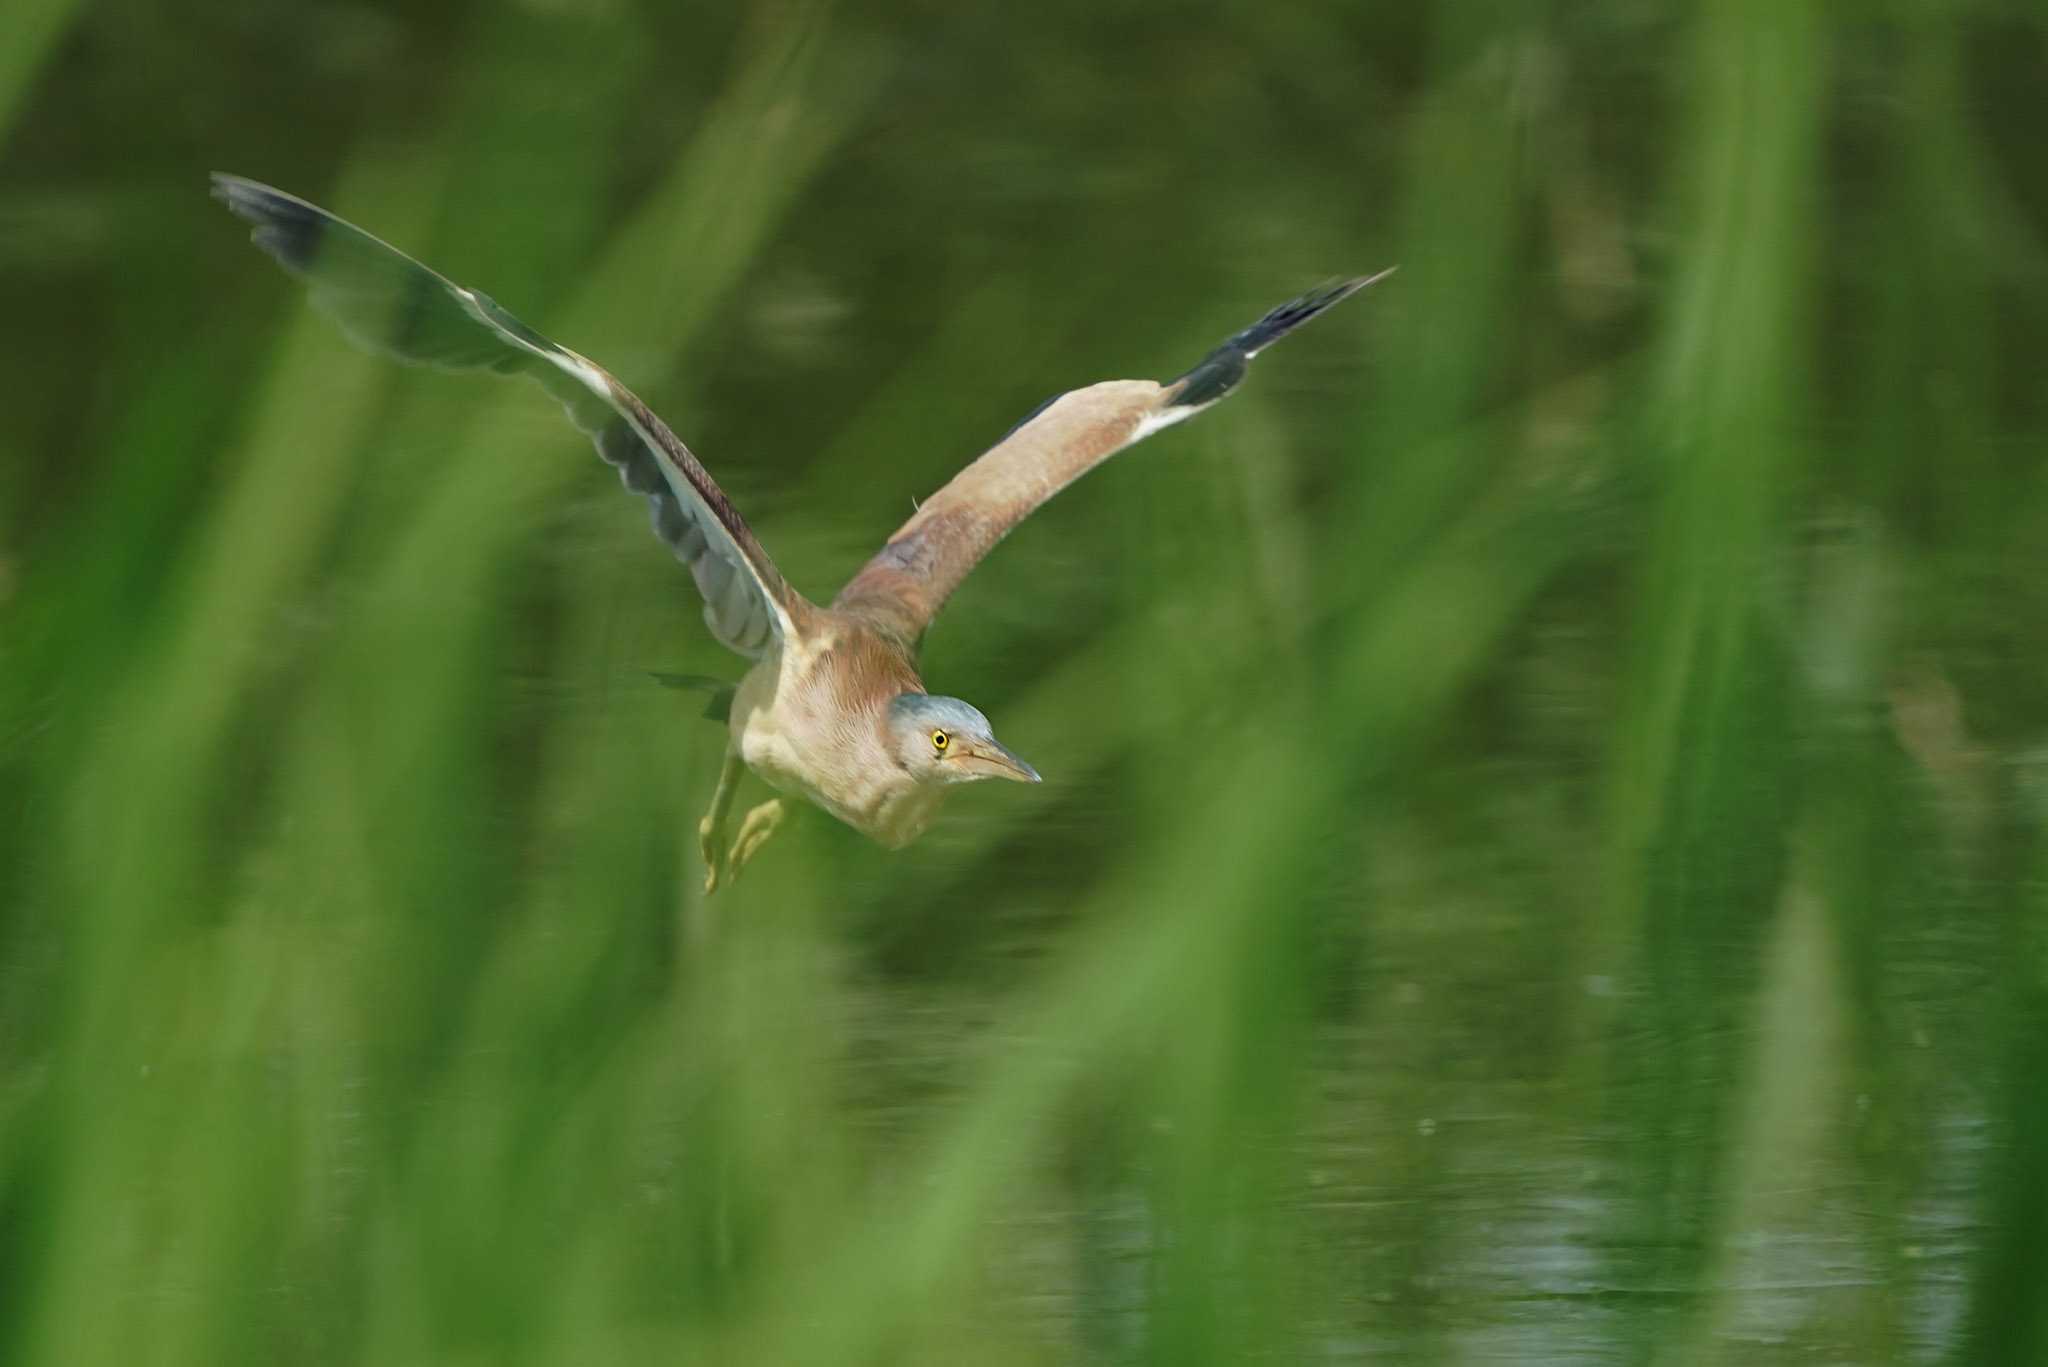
pixel 833 708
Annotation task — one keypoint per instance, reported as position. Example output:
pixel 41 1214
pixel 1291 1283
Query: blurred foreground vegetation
pixel 1543 851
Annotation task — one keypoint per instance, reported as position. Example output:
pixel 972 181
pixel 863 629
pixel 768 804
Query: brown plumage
pixel 908 581
pixel 833 708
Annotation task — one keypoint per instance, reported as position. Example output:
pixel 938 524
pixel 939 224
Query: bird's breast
pixel 792 725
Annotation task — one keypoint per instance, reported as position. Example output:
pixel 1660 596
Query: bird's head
pixel 944 740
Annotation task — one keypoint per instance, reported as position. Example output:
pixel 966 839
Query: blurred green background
pixel 1543 852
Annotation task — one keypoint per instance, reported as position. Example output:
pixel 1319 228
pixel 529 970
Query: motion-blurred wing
pixel 391 303
pixel 903 587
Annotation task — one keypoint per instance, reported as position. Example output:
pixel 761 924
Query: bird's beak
pixel 988 759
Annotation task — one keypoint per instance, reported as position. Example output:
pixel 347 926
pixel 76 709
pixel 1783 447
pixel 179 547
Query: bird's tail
pixel 718 706
pixel 1222 368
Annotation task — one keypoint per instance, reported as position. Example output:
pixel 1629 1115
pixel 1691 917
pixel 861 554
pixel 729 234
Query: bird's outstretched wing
pixel 906 583
pixel 391 303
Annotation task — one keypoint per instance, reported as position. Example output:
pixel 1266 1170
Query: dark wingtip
pixel 286 227
pixel 1222 368
pixel 1295 312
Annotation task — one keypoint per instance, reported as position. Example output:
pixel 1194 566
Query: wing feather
pixel 389 302
pixel 902 588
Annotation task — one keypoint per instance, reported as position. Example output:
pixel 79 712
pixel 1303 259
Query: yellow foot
pixel 711 830
pixel 707 844
pixel 760 823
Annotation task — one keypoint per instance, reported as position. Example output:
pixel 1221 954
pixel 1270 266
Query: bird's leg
pixel 760 823
pixel 711 830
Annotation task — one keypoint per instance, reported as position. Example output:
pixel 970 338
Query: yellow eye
pixel 940 740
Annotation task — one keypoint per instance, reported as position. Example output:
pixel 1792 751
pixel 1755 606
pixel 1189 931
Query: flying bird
pixel 833 708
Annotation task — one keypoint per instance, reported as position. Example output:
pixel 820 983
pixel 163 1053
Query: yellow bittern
pixel 833 707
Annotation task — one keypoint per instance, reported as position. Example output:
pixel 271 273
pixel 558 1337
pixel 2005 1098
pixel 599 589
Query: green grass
pixel 1542 852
